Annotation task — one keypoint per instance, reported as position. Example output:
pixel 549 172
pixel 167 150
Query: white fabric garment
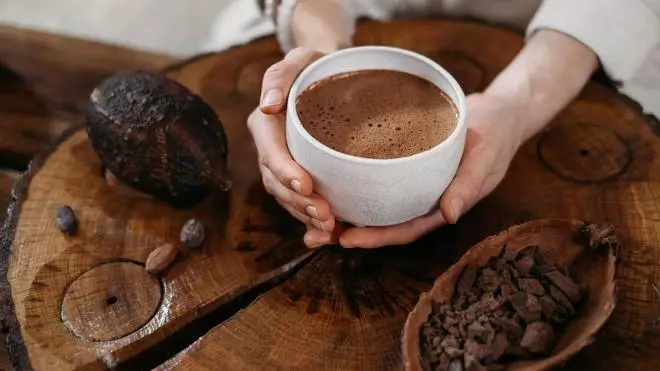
pixel 625 34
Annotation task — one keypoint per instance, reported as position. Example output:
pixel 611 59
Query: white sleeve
pixel 351 10
pixel 622 33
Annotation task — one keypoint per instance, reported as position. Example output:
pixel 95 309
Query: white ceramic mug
pixel 377 192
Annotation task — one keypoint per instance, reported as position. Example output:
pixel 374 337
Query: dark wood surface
pixel 253 297
pixel 44 81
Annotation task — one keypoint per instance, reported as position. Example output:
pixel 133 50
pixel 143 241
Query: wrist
pixel 320 25
pixel 542 80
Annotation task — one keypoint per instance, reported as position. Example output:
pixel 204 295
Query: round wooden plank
pixel 344 310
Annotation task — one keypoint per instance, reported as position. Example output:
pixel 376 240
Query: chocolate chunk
pixel 562 300
pixel 531 286
pixel 548 306
pixel 517 351
pixel 508 291
pixel 472 364
pixel 470 316
pixel 565 284
pixel 480 351
pixel 508 254
pixel 489 280
pixel 500 343
pixel 506 275
pixel 538 337
pixel 527 306
pixel 476 331
pixel 443 361
pixel 453 352
pixel 467 279
pixel 513 271
pixel 509 325
pixel 449 341
pixel 558 319
pixel 525 265
pixel 449 322
pixel 459 301
pixel 456 365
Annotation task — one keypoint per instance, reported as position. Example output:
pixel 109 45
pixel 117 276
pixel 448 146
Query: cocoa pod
pixel 158 137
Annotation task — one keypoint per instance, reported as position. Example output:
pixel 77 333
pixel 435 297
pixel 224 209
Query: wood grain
pixel 332 308
pixel 44 79
pixel 350 308
pixel 44 82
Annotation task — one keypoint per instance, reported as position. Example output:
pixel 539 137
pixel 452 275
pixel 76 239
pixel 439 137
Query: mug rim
pixel 293 118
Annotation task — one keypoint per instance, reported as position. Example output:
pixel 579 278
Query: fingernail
pixel 311 211
pixel 272 97
pixel 345 244
pixel 295 185
pixel 318 225
pixel 456 208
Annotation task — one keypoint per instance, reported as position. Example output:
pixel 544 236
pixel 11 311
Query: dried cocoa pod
pixel 157 137
pixel 161 258
pixel 66 220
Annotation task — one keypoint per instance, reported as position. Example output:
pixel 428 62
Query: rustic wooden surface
pixel 44 81
pixel 253 297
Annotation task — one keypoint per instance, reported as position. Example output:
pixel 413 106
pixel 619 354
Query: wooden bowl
pixel 586 250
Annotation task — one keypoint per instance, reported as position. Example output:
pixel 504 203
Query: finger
pixel 314 238
pixel 279 77
pixel 269 138
pixel 306 219
pixel 465 189
pixel 373 237
pixel 312 205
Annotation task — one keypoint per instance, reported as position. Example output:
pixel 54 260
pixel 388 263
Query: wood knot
pixel 583 152
pixel 110 301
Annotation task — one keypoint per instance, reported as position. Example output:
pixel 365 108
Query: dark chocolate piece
pixel 565 284
pixel 489 280
pixel 527 306
pixel 456 365
pixel 531 286
pixel 538 337
pixel 467 279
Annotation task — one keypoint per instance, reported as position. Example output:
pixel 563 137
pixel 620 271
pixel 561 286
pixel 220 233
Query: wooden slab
pixel 333 308
pixel 598 161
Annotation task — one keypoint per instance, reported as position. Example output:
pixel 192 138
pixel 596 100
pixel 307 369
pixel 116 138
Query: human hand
pixel 282 177
pixel 490 146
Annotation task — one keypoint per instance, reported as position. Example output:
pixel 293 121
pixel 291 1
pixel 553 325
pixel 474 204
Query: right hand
pixel 282 177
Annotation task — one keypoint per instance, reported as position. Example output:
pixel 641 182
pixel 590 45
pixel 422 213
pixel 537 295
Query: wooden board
pixel 254 298
pixel 44 80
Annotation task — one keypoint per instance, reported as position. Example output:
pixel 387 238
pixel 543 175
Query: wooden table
pixel 254 297
pixel 44 82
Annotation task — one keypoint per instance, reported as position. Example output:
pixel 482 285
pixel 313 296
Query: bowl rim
pixel 461 105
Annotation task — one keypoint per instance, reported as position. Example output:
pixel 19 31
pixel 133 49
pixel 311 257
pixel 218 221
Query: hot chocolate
pixel 380 114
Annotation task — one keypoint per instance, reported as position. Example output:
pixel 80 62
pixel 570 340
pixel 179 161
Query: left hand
pixel 491 144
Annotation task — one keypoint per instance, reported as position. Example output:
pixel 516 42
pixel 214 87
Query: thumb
pixel 279 77
pixel 465 190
